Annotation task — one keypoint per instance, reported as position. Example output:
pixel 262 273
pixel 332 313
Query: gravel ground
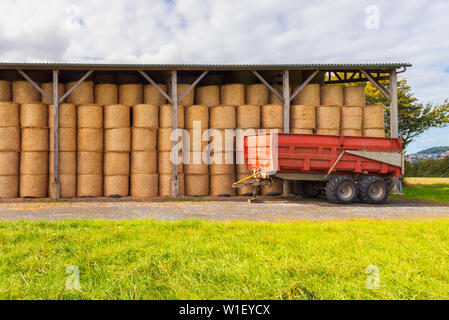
pixel 215 209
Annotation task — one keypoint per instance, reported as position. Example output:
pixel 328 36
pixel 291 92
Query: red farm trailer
pixel 343 167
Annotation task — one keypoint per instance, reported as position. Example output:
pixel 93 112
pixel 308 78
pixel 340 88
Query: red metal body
pixel 299 153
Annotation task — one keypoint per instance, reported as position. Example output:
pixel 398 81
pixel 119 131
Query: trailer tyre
pixel 307 189
pixel 341 190
pixel 373 190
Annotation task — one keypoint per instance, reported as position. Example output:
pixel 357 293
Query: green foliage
pixel 428 168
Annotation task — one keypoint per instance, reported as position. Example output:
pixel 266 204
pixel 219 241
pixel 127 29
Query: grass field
pixel 205 260
pixel 432 189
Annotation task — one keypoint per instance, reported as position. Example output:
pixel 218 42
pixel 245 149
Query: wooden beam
pixel 303 85
pixel 394 127
pixel 275 92
pixel 174 98
pixel 147 77
pixel 86 75
pixel 286 98
pixel 55 185
pixel 193 85
pixel 34 84
pixel 376 84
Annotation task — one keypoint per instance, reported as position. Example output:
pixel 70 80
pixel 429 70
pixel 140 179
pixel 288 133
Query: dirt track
pixel 280 209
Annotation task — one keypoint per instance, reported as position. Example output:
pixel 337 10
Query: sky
pixel 239 31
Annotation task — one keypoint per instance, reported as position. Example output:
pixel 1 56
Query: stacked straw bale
pixel 151 94
pixel 106 92
pixel 90 150
pixel 354 96
pixel 302 119
pixel 9 150
pixel 117 147
pixel 257 94
pixel 24 92
pixel 331 95
pixel 351 121
pixel 196 167
pixel 189 99
pixel 274 99
pixel 232 94
pixel 35 147
pixel 67 149
pixel 144 176
pixel 47 87
pixel 208 95
pixel 130 94
pixel 373 121
pixel 5 91
pixel 309 95
pixel 328 120
pixel 83 94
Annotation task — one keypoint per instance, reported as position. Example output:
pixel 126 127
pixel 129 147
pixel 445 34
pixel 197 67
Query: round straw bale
pixel 90 139
pixel 301 131
pixel 130 93
pixel 309 95
pixel 83 94
pixel 276 189
pixel 196 164
pixel 208 95
pixel 328 132
pixel 380 133
pixel 351 132
pixel 164 142
pixel 106 93
pixel 242 169
pixel 196 184
pixel 232 94
pixel 373 117
pixel 89 185
pixel 34 162
pixel 240 137
pixel 118 140
pixel 10 139
pixel 146 116
pixel 328 117
pixel 248 116
pixel 144 185
pixel 9 187
pixel 188 100
pixel 67 162
pixel 143 162
pixel 116 116
pixel 33 115
pixel 331 95
pixel 152 96
pixel 221 184
pixel 89 163
pixel 354 96
pixel 33 186
pixel 35 139
pixel 90 116
pixel 164 162
pixel 275 100
pixel 47 87
pixel 67 183
pixel 24 92
pixel 144 139
pixel 246 190
pixel 9 114
pixel 116 163
pixel 165 116
pixel 198 140
pixel 66 141
pixel 302 117
pixel 222 140
pixel 9 163
pixel 165 185
pixel 116 186
pixel 5 91
pixel 101 78
pixel 66 116
pixel 223 117
pixel 351 117
pixel 198 113
pixel 272 116
pixel 256 94
pixel 222 163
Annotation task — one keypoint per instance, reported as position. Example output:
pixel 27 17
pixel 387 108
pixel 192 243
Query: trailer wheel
pixel 373 190
pixel 341 190
pixel 312 189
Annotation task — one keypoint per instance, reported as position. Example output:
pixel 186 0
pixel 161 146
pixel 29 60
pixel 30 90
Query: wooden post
pixel 174 98
pixel 286 96
pixel 394 127
pixel 55 185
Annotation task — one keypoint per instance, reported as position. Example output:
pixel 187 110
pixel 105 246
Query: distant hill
pixel 430 153
pixel 434 150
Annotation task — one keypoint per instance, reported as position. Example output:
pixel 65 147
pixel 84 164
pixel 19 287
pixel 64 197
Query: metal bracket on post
pixel 55 184
pixel 174 98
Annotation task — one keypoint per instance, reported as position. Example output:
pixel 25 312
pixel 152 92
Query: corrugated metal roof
pixel 113 66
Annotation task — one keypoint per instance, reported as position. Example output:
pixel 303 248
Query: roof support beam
pixel 275 92
pixel 286 98
pixel 376 84
pixel 34 84
pixel 55 185
pixel 394 128
pixel 174 151
pixel 147 77
pixel 297 91
pixel 193 85
pixel 86 75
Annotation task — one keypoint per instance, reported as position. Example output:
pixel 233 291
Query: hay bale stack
pixel 246 190
pixel 328 120
pixel 164 162
pixel 198 114
pixel 145 116
pixel 10 139
pixel 309 95
pixel 33 115
pixel 144 185
pixel 9 174
pixel 272 116
pixel 221 140
pixel 90 139
pixel 130 93
pixel 196 185
pixel 354 96
pixel 33 186
pixel 256 94
pixel 221 185
pixel 197 139
pixel 106 93
pixel 151 95
pixel 222 117
pixel 116 186
pixel 116 116
pixel 232 94
pixel 351 121
pixel 9 114
pixel 67 162
pixel 302 119
pixel 88 185
pixel 331 95
pixel 248 116
pixel 90 116
pixel 144 162
pixel 67 183
pixel 197 163
pixel 165 185
pixel 47 87
pixel 145 139
pixel 373 121
pixel 24 92
pixel 66 117
pixel 83 94
pixel 165 116
pixel 5 91
pixel 276 189
pixel 164 142
pixel 188 100
pixel 274 99
pixel 66 141
pixel 208 95
pixel 9 187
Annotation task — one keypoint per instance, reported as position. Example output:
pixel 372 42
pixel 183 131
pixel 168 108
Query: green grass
pixel 432 189
pixel 238 260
